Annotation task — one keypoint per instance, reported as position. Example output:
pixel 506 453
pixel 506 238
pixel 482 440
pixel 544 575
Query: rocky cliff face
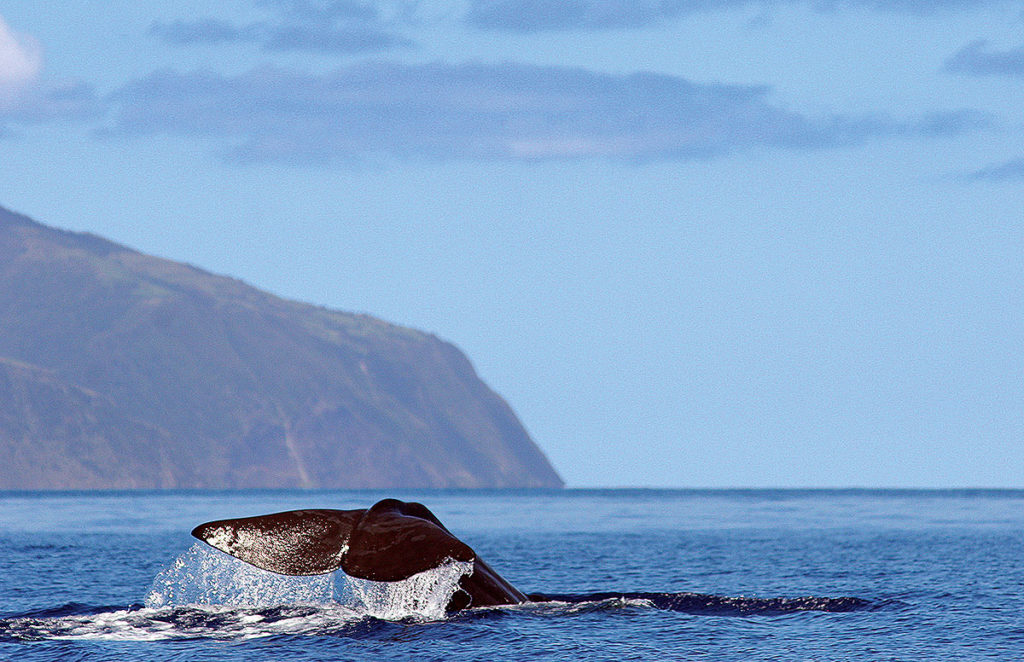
pixel 118 369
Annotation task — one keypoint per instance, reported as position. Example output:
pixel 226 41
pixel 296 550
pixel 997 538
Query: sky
pixel 771 243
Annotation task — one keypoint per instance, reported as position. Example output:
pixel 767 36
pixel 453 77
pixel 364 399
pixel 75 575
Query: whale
pixel 394 540
pixel 388 542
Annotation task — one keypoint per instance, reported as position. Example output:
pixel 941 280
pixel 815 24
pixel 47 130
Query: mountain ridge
pixel 235 386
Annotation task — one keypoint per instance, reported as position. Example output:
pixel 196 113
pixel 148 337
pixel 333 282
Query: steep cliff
pixel 119 369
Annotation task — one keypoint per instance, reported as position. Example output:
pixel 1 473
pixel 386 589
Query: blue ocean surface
pixel 937 575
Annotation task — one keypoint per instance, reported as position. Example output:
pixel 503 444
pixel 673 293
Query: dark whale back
pixel 390 541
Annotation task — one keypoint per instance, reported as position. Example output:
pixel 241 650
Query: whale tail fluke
pixel 297 542
pixel 388 542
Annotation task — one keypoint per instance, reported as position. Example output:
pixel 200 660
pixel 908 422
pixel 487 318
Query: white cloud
pixel 21 59
pixel 24 99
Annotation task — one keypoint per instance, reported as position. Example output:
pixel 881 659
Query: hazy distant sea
pixel 942 573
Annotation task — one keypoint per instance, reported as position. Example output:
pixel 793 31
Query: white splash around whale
pixel 203 576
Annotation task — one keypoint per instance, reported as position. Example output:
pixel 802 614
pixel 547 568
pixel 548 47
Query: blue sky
pixel 693 243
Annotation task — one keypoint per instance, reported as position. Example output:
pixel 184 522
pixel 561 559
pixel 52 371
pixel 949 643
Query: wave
pixel 75 621
pixel 137 623
pixel 205 593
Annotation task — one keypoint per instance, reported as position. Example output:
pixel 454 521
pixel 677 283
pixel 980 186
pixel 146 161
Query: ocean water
pixel 933 575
